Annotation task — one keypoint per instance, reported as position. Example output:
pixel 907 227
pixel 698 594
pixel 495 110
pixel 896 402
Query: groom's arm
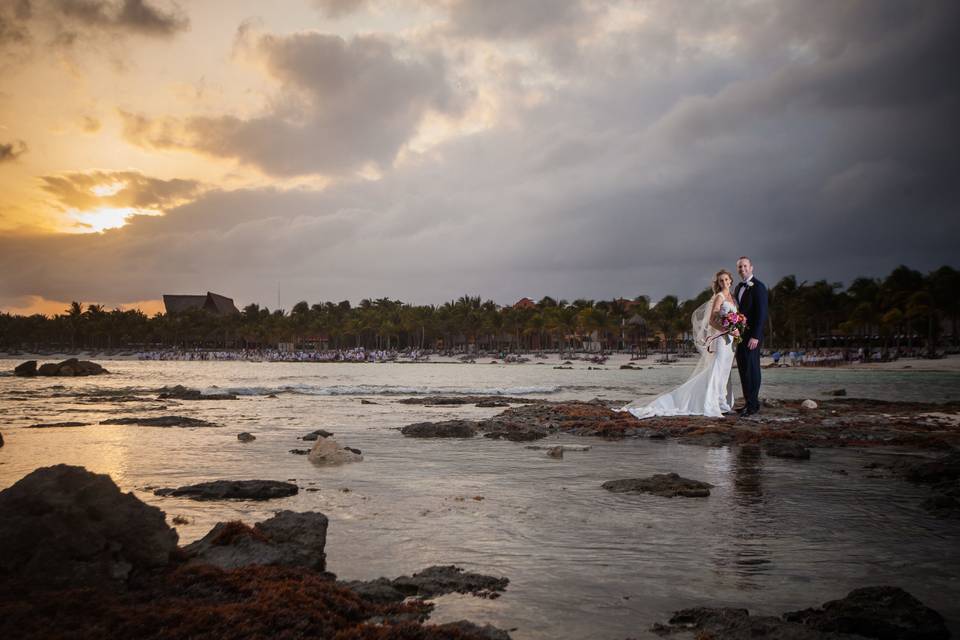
pixel 760 315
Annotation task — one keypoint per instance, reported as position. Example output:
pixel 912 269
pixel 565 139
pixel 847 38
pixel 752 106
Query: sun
pixel 104 218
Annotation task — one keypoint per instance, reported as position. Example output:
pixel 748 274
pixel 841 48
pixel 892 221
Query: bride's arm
pixel 715 312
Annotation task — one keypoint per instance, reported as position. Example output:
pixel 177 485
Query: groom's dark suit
pixel 753 304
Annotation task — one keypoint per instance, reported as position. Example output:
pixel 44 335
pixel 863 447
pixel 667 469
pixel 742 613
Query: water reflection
pixel 743 553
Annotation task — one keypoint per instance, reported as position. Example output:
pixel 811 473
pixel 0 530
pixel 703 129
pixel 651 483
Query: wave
pixel 388 390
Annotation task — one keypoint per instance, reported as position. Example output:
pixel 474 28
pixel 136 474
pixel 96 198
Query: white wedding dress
pixel 707 392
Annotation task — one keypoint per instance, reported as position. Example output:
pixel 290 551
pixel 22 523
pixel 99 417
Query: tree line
pixel 905 309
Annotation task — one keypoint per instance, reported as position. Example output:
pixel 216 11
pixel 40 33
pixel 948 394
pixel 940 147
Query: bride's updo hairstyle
pixel 715 285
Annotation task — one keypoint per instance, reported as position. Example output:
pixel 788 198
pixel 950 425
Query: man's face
pixel 744 268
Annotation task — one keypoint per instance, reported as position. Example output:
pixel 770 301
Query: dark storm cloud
pixel 12 150
pixel 343 104
pixel 818 138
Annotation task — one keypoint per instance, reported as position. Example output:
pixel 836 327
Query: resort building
pixel 212 302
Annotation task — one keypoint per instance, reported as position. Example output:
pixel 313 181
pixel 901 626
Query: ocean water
pixel 775 535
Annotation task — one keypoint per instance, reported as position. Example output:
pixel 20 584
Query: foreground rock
pixel 162 421
pixel 287 539
pixel 445 429
pixel 63 525
pixel 943 476
pixel 319 433
pixel 233 490
pixel 180 392
pixel 667 485
pixel 429 583
pixel 68 539
pixel 885 613
pixel 875 612
pixel 328 451
pixel 70 367
pixel 246 437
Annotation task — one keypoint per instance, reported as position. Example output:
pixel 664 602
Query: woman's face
pixel 725 282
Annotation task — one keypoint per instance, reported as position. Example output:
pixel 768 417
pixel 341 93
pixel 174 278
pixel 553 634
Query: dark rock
pixel 786 449
pixel 51 425
pixel 837 392
pixel 932 471
pixel 875 612
pixel 287 539
pixel 772 403
pixel 627 366
pixel 162 421
pixel 232 490
pixel 492 403
pixel 516 433
pixel 48 369
pixel 354 450
pixel 26 369
pixel 445 429
pixel 71 367
pixel 469 629
pixel 180 392
pixel 246 437
pixel 1 439
pixel 300 452
pixel 710 439
pixel 738 624
pixel 667 485
pixel 65 526
pixel 429 583
pixel 319 433
pixel 365 401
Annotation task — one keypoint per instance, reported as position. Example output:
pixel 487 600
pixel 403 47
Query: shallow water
pixel 775 535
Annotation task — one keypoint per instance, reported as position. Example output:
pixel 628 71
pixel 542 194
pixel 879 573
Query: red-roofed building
pixel 524 303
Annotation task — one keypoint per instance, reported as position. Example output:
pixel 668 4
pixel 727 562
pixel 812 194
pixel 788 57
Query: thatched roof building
pixel 212 302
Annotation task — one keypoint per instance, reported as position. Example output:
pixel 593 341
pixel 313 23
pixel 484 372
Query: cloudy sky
pixel 424 149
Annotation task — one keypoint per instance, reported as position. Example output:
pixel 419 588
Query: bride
pixel 707 392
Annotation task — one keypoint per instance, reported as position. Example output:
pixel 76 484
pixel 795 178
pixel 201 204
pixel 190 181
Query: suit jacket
pixel 753 304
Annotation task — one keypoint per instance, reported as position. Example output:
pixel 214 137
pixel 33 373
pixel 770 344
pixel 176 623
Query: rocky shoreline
pixel 789 429
pixel 81 559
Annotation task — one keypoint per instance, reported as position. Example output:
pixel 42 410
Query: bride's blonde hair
pixel 715 285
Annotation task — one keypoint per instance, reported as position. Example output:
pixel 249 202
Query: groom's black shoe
pixel 747 411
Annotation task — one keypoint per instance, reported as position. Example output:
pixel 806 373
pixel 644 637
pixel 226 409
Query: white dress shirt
pixel 746 283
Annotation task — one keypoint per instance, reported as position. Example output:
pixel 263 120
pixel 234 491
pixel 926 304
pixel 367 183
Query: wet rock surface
pixel 180 392
pixel 667 485
pixel 840 422
pixel 287 539
pixel 63 525
pixel 429 583
pixel 444 429
pixel 53 425
pixel 883 612
pixel 26 369
pixel 232 490
pixel 446 401
pixel 875 612
pixel 319 433
pixel 161 421
pixel 69 368
pixel 80 559
pixel 328 451
pixel 246 437
pixel 786 449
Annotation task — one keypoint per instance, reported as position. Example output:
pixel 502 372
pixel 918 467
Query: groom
pixel 751 295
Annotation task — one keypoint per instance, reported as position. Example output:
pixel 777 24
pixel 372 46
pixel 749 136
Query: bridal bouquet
pixel 734 324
